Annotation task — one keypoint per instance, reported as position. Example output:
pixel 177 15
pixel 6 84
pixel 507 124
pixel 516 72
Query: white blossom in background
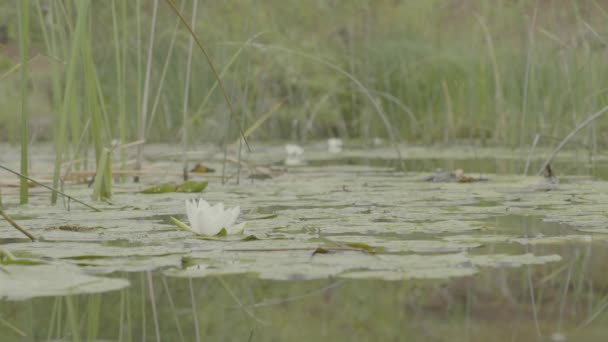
pixel 206 219
pixel 294 154
pixel 334 145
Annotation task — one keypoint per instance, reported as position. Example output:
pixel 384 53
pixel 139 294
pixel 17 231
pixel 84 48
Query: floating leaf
pixel 192 186
pixel 23 282
pixel 320 250
pixel 363 246
pixel 187 186
pixel 160 189
pixel 187 261
pixel 71 228
pixel 200 168
pixel 250 238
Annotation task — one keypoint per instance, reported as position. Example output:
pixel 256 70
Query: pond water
pixel 340 247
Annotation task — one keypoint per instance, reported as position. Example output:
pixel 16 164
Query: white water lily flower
pixel 294 150
pixel 294 154
pixel 209 220
pixel 334 145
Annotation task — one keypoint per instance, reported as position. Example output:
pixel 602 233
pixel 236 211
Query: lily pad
pixel 160 189
pixel 187 186
pixel 316 221
pixel 23 282
pixel 192 186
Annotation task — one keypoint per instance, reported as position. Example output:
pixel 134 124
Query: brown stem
pixel 17 226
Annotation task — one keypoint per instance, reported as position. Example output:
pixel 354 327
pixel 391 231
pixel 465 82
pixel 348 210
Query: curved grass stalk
pixel 55 191
pixel 313 114
pixel 234 57
pixel 392 98
pixel 354 80
pixel 563 143
pixel 69 95
pixel 262 119
pixel 171 4
pixel 163 75
pixel 17 67
pixel 17 226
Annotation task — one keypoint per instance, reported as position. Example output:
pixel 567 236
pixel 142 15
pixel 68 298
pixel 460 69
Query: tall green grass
pixel 69 94
pixel 185 107
pixel 24 43
pixel 439 72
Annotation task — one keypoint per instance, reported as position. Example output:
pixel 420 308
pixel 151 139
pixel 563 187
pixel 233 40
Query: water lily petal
pixel 191 211
pixel 206 219
pixel 237 228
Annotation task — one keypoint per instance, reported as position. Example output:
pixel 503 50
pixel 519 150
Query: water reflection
pixel 557 301
pixel 547 302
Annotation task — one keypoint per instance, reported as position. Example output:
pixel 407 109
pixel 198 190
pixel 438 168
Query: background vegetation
pixel 442 70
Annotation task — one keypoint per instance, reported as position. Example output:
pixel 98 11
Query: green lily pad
pixel 192 186
pixel 19 282
pixel 187 186
pixel 160 189
pixel 350 221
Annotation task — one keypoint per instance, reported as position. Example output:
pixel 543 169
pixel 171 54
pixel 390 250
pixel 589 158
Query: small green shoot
pixel 181 225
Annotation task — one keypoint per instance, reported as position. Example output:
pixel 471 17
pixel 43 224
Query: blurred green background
pixel 496 72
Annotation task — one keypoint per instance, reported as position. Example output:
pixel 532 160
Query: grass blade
pixel 24 23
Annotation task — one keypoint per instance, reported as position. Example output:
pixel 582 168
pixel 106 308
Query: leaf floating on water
pixel 160 189
pixel 187 261
pixel 24 282
pixel 200 168
pixel 260 176
pixel 364 247
pixel 192 186
pixel 377 232
pixel 187 186
pixel 320 250
pixel 71 228
pixel 456 176
pixel 24 262
pixel 222 233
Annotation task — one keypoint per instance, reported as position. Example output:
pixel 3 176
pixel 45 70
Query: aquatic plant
pixel 206 219
pixel 294 154
pixel 334 145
